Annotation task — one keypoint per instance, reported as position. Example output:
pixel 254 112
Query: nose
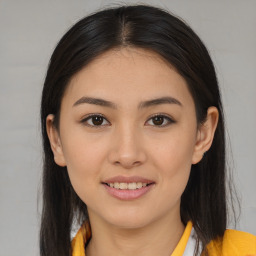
pixel 127 147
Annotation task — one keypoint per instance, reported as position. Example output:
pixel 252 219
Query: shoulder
pixel 239 237
pixel 235 243
pixel 239 241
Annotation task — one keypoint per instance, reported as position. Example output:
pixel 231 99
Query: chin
pixel 129 224
pixel 128 220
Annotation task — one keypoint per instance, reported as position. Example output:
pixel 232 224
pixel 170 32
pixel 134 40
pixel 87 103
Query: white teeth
pixel 139 185
pixel 116 185
pixel 130 186
pixel 123 186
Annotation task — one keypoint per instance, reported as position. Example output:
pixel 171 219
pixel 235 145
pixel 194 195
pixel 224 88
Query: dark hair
pixel 204 200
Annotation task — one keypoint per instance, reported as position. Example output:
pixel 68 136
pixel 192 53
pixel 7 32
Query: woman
pixel 134 143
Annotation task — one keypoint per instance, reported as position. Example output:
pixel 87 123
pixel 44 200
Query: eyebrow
pixel 143 104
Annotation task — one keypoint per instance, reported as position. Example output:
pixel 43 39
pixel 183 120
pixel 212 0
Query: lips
pixel 124 179
pixel 128 188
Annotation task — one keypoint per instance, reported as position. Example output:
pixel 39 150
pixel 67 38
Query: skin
pixel 128 143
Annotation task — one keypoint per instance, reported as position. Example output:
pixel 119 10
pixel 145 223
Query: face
pixel 128 135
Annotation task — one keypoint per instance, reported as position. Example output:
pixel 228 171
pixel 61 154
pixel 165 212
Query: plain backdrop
pixel 29 31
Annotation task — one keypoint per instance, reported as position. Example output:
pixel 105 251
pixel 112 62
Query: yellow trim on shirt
pixel 234 243
pixel 84 234
pixel 181 246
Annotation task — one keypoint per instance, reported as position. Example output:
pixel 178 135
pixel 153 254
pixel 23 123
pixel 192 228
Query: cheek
pixel 173 159
pixel 82 150
pixel 84 157
pixel 174 151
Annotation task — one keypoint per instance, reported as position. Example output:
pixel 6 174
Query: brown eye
pixel 95 120
pixel 160 121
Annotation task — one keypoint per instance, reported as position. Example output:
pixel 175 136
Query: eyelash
pixel 165 117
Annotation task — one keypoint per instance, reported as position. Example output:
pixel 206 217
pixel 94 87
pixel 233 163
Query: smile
pixel 130 186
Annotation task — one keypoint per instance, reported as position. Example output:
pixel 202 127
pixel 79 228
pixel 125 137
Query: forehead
pixel 128 75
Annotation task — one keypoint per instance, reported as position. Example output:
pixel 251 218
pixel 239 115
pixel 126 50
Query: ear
pixel 205 134
pixel 55 141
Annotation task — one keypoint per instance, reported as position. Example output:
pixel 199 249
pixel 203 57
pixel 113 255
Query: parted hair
pixel 204 200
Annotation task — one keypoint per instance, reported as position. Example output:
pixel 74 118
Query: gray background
pixel 29 31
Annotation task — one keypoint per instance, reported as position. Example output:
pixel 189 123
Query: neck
pixel 158 238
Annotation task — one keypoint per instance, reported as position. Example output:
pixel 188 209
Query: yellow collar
pixel 84 234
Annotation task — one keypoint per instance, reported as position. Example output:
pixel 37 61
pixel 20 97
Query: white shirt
pixel 191 244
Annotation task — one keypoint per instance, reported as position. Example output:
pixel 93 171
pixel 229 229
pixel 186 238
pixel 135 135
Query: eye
pixel 160 120
pixel 95 120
